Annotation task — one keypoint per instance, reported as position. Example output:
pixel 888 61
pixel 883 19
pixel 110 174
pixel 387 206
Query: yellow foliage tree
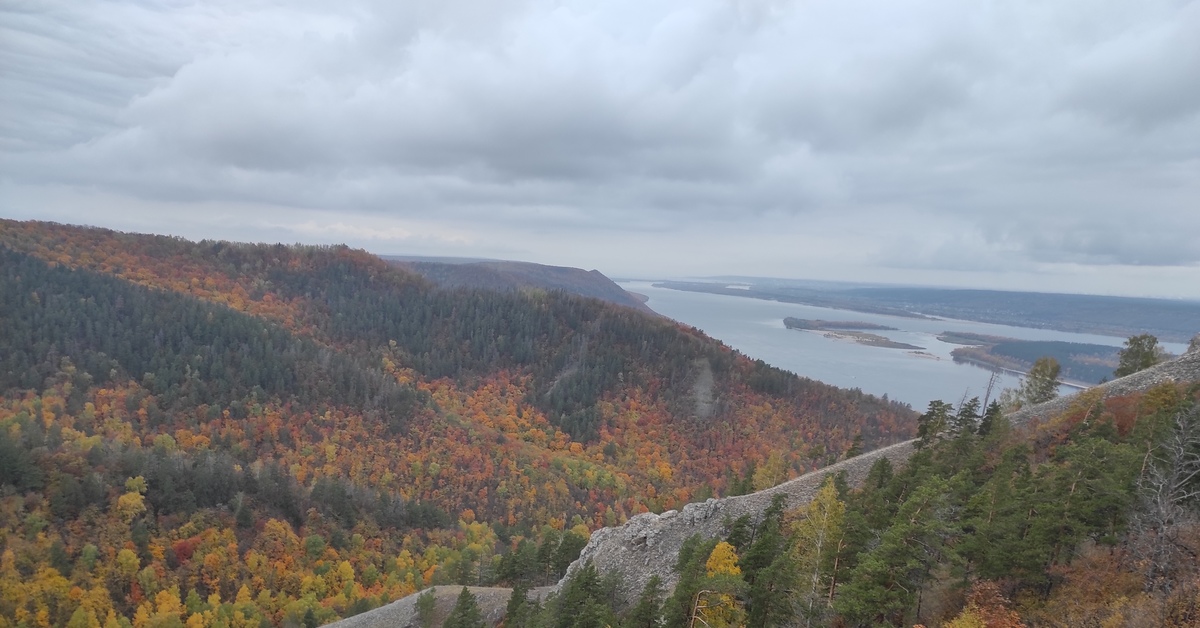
pixel 717 609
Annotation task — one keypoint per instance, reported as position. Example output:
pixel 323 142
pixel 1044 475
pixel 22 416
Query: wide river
pixel 755 327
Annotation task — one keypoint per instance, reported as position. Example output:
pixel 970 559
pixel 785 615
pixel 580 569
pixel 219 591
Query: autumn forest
pixel 211 433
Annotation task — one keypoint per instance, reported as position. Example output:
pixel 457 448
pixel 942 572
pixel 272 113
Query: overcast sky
pixel 1006 144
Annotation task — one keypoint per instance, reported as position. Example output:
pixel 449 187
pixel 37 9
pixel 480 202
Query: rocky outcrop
pixel 648 544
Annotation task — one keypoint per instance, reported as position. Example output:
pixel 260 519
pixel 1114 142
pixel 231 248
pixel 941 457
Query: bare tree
pixel 1168 489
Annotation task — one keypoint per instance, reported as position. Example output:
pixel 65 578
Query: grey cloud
pixel 950 134
pixel 1145 77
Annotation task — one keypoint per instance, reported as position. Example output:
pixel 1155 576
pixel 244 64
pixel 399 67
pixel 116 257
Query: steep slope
pixel 648 545
pixel 309 432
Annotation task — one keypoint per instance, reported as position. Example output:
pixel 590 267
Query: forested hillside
pixel 504 275
pixel 230 434
pixel 1090 517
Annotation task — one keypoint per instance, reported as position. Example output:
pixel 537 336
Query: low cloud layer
pixel 1023 144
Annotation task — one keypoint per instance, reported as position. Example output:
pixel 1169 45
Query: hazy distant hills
pixel 1170 321
pixel 506 275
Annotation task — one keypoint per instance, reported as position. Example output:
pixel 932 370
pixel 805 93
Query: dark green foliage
pixel 693 555
pixel 567 551
pixel 186 352
pixel 770 380
pixel 741 533
pixel 583 602
pixel 934 423
pixel 769 571
pixel 856 446
pixel 520 566
pixel 882 588
pixel 1140 353
pixel 426 606
pixel 466 613
pixel 647 613
pixel 1041 383
pixel 993 414
pixel 517 612
pixel 745 484
pixel 17 467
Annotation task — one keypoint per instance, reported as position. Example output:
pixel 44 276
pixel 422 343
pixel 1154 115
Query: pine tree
pixel 693 554
pixel 647 613
pixel 934 423
pixel 581 603
pixel 883 586
pixel 466 613
pixel 1140 353
pixel 769 571
pixel 426 606
pixel 517 611
pixel 1041 384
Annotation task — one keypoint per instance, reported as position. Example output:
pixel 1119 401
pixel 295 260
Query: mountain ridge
pixel 512 275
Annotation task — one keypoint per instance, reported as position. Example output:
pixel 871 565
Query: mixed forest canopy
pixel 1091 518
pixel 216 433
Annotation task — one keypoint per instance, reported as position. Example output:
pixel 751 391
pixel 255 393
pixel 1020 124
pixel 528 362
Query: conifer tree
pixel 517 611
pixel 466 613
pixel 883 586
pixel 426 605
pixel 693 554
pixel 1041 384
pixel 647 613
pixel 1140 353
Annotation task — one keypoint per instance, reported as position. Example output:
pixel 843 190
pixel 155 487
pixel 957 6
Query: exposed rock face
pixel 648 544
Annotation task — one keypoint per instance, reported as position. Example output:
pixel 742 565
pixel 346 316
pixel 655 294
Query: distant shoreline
pixel 1115 317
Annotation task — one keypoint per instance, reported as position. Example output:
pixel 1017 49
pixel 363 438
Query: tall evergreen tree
pixel 883 587
pixel 466 613
pixel 516 613
pixel 1041 384
pixel 647 613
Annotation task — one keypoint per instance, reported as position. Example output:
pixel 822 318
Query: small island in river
pixel 849 330
pixel 820 325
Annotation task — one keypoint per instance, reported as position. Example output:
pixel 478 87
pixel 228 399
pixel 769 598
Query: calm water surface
pixel 755 327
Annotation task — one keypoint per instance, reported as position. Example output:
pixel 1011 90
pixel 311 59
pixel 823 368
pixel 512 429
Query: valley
pixel 296 434
pixel 236 434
